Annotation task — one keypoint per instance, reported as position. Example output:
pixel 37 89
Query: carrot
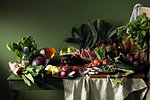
pixel 126 44
pixel 131 42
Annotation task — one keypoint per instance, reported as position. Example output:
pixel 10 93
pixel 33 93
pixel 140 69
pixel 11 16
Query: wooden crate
pixel 145 10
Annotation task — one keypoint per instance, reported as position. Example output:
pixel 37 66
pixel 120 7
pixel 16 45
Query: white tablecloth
pixel 85 88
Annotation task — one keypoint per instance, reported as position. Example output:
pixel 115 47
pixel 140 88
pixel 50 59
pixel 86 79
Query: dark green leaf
pixel 42 75
pixel 110 33
pixel 76 34
pixel 18 53
pixel 15 46
pixel 84 31
pixel 94 33
pixel 71 40
pixel 98 21
pixel 89 40
pixel 19 59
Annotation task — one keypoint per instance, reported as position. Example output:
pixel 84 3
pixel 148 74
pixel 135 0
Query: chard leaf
pixel 10 46
pixel 19 59
pixel 30 77
pixel 42 75
pixel 144 33
pixel 18 53
pixel 26 80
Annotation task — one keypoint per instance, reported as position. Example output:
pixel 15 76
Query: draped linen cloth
pixel 135 12
pixel 85 88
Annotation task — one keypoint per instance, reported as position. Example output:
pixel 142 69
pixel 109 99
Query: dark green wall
pixel 49 22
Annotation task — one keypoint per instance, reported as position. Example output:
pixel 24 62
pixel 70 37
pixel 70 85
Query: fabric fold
pixel 85 88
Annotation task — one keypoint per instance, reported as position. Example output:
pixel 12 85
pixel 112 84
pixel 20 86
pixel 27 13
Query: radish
pixel 96 62
pixel 63 74
pixel 104 62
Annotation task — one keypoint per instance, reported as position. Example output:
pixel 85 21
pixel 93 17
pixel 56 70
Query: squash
pixel 49 52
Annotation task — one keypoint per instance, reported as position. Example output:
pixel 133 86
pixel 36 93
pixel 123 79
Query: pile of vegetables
pixel 102 50
pixel 88 34
pixel 134 40
pixel 137 31
pixel 31 72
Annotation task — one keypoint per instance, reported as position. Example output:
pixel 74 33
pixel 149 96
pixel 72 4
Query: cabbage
pixel 39 60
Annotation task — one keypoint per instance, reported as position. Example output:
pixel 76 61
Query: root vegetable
pixel 63 74
pixel 126 44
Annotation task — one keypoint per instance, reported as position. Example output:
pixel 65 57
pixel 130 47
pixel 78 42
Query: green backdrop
pixel 49 22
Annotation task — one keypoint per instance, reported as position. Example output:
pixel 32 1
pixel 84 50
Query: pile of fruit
pixel 102 50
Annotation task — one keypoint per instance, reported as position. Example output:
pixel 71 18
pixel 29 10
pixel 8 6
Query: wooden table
pixel 16 84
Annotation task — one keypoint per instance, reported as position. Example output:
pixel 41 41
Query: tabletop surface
pixel 16 83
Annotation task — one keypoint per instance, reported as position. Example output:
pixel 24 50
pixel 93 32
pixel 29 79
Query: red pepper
pixel 104 62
